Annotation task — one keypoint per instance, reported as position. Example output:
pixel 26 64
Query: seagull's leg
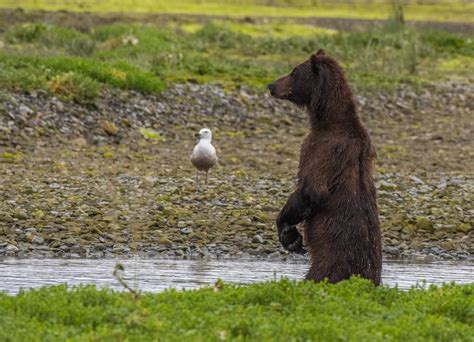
pixel 197 178
pixel 207 172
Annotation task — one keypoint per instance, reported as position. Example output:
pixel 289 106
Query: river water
pixel 158 275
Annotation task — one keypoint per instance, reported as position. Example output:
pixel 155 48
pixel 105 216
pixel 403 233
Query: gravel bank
pixel 114 179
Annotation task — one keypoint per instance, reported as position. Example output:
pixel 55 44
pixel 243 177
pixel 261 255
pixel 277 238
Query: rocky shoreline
pixel 419 234
pixel 113 179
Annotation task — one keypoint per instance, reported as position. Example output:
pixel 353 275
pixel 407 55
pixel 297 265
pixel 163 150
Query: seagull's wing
pixel 195 152
pixel 214 154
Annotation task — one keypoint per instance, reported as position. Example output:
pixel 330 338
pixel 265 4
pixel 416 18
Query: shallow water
pixel 158 275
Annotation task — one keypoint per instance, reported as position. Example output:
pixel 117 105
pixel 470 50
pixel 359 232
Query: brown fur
pixel 335 197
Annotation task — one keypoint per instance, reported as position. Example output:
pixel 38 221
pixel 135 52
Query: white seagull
pixel 204 155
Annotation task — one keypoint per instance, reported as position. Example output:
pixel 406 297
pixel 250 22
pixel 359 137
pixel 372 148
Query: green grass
pixel 73 78
pixel 273 29
pixel 284 310
pixel 460 11
pixel 147 58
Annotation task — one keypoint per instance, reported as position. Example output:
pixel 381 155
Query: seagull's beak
pixel 197 135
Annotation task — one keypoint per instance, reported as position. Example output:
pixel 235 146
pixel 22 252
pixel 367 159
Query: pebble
pixel 37 240
pixel 25 110
pixel 12 248
pixel 186 231
pixel 416 180
pixel 257 239
pixel 392 250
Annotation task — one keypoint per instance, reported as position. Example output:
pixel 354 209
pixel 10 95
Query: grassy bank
pixel 283 310
pixel 74 63
pixel 415 10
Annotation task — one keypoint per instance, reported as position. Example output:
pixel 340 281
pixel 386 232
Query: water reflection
pixel 157 275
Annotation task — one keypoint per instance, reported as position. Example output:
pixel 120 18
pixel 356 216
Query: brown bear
pixel 335 196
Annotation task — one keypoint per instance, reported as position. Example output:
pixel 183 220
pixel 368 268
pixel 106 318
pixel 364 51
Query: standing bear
pixel 335 196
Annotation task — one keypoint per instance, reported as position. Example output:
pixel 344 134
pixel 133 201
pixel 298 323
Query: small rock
pixel 12 248
pixel 96 255
pixel 20 214
pixel 37 240
pixel 6 217
pixel 179 252
pixel 54 186
pixel 463 227
pixel 165 241
pixel 392 250
pixel 25 110
pixel 416 180
pixel 109 127
pixel 69 242
pixel 79 142
pixel 257 239
pixel 447 245
pixel 186 231
pixel 59 106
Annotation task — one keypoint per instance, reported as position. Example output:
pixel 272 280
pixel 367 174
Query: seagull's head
pixel 205 134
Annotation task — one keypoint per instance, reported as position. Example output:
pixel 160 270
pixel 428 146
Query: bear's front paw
pixel 291 239
pixel 297 246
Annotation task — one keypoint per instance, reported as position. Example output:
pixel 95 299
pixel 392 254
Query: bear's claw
pixel 291 239
pixel 297 246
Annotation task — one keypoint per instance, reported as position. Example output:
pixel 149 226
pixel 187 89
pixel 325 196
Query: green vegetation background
pixel 148 57
pixel 457 10
pixel 285 310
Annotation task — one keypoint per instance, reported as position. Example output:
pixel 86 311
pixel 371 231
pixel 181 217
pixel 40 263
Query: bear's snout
pixel 281 88
pixel 272 88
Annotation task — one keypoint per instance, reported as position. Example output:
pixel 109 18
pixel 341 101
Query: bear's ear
pixel 320 52
pixel 315 62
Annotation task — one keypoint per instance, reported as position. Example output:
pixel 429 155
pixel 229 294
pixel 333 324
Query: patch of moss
pixel 423 223
pixel 150 134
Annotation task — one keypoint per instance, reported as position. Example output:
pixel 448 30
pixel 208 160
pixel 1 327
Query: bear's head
pixel 313 84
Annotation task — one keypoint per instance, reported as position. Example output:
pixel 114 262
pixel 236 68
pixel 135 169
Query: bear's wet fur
pixel 335 197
